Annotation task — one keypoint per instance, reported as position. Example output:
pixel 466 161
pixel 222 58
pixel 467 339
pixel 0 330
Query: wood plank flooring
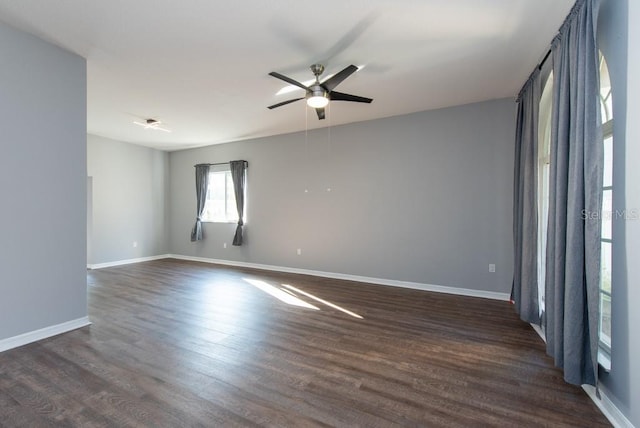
pixel 185 344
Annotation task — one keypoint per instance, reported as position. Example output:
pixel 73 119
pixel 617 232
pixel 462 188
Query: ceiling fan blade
pixel 339 96
pixel 285 103
pixel 288 80
pixel 336 79
pixel 320 112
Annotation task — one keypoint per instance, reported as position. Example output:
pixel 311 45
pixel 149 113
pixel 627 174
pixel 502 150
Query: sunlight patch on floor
pixel 280 294
pixel 324 302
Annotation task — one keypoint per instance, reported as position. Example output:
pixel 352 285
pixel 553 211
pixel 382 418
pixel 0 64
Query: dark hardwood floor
pixel 181 344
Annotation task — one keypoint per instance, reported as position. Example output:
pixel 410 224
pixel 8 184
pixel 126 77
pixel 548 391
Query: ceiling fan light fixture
pixel 318 101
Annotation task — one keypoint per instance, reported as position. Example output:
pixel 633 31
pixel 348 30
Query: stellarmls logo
pixel 632 214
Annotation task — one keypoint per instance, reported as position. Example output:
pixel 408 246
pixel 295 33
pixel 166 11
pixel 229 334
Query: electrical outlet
pixel 135 244
pixel 492 267
pixel 299 251
pixel 224 245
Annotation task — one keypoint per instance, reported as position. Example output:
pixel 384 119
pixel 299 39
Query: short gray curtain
pixel 575 183
pixel 202 185
pixel 238 176
pixel 524 290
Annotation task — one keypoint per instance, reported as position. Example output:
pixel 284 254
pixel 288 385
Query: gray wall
pixel 42 184
pixel 632 287
pixel 129 201
pixel 424 197
pixel 619 22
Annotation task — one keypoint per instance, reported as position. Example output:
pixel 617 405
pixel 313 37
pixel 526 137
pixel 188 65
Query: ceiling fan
pixel 320 93
pixel 152 124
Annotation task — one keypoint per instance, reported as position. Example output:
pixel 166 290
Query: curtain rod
pixel 538 68
pixel 577 5
pixel 544 59
pixel 246 164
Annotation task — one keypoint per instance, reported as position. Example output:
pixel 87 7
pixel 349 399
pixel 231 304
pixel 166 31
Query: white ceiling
pixel 201 66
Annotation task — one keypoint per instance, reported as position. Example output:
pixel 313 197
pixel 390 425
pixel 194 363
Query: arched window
pixel 606 240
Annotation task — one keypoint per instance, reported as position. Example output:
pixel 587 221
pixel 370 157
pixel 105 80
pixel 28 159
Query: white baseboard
pixel 127 262
pixel 606 406
pixel 378 281
pixel 43 333
pixel 538 330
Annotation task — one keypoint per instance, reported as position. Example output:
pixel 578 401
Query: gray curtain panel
pixel 573 238
pixel 238 176
pixel 524 290
pixel 202 185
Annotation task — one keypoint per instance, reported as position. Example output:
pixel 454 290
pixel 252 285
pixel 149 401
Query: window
pixel 607 217
pixel 544 161
pixel 220 206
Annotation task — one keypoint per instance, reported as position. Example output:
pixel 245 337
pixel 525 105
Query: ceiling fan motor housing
pixel 316 91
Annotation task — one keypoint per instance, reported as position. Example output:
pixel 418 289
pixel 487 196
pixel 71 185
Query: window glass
pixel 606 267
pixel 605 325
pixel 607 214
pixel 607 179
pixel 220 206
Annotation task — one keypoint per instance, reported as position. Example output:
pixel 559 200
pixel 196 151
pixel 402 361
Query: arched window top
pixel 606 104
pixel 544 122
